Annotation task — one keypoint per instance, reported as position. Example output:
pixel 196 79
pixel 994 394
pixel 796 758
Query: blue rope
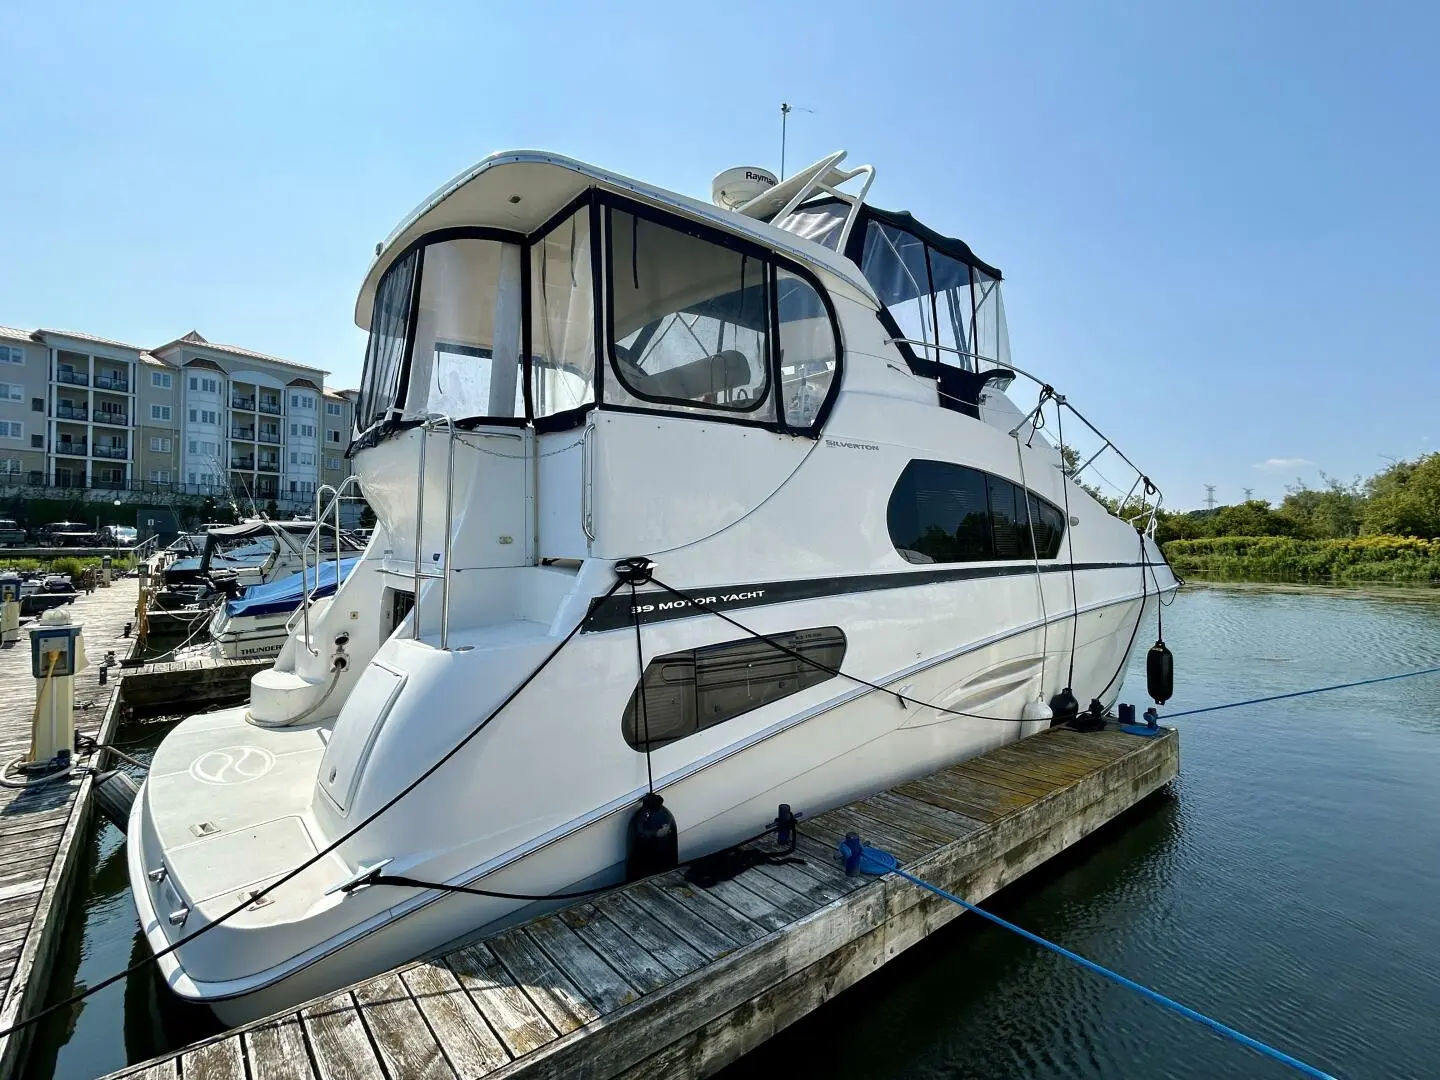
pixel 1303 693
pixel 873 861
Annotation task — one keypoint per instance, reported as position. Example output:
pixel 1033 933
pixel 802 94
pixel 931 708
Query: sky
pixel 1218 222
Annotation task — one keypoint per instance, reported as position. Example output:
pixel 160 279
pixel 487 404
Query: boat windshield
pixel 943 300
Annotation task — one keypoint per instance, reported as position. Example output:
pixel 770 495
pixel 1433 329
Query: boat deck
pixel 665 979
pixel 39 826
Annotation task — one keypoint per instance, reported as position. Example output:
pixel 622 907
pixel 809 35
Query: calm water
pixel 1289 884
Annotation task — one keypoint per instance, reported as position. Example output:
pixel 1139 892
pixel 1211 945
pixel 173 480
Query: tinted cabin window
pixel 943 513
pixel 687 692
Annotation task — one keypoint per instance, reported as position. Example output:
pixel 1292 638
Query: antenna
pixel 785 110
pixel 1210 496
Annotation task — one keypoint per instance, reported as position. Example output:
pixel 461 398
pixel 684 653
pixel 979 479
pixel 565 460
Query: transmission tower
pixel 1210 496
pixel 1249 493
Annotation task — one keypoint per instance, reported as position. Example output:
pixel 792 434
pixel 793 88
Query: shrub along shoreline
pixel 1284 558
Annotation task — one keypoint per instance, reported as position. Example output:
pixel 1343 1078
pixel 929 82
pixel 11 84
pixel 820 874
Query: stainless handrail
pixel 336 495
pixel 586 524
pixel 449 515
pixel 419 528
pixel 1061 402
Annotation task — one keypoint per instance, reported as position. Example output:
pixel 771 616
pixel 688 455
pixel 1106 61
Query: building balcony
pixel 271 437
pixel 247 433
pixel 74 378
pixel 118 452
pixel 245 463
pixel 114 483
pixel 269 464
pixel 71 447
pixel 72 412
pixel 115 419
pixel 269 405
pixel 246 403
pixel 68 480
pixel 118 384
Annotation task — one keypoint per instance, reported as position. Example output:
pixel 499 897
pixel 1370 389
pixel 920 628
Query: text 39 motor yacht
pixel 796 409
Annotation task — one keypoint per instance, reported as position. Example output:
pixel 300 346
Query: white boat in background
pixel 797 408
pixel 255 624
pixel 254 552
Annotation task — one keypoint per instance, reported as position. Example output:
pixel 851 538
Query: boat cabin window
pixel 807 349
pixel 952 306
pixel 562 318
pixel 466 358
pixel 687 692
pixel 689 322
pixel 944 513
pixel 386 350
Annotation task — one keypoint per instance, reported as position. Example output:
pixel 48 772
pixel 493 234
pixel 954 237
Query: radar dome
pixel 733 188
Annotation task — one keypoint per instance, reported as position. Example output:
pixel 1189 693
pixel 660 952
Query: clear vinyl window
pixel 386 350
pixel 689 322
pixel 562 318
pixel 687 692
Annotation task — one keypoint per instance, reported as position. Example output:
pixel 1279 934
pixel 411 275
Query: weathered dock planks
pixel 665 979
pixel 40 827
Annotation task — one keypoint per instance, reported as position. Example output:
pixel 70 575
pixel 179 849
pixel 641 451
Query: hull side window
pixel 945 513
pixel 687 692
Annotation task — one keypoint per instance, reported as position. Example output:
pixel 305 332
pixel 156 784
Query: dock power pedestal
pixel 57 652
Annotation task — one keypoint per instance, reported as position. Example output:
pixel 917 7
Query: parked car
pixel 120 535
pixel 11 535
pixel 71 534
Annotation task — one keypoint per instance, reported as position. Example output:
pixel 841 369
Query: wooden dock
pixel 42 828
pixel 662 979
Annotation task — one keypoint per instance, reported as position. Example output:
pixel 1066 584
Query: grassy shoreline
pixel 1406 559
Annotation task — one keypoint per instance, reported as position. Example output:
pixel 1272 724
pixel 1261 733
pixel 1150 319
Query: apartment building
pixel 191 416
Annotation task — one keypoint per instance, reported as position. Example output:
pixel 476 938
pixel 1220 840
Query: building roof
pixel 201 362
pixel 16 334
pixel 303 382
pixel 76 335
pixel 194 338
pixel 153 361
pixel 344 395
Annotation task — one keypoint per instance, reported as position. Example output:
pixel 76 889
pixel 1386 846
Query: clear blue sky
pixel 1219 221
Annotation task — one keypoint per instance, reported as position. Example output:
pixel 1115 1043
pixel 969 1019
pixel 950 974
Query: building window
pixel 194 383
pixel 37 442
pixel 11 392
pixel 302 401
pixel 943 513
pixel 159 476
pixel 190 477
pixel 11 429
pixel 159 412
pixel 332 463
pixel 10 466
pixel 160 379
pixel 332 435
pixel 159 445
pixel 11 354
pixel 208 386
pixel 687 692
pixel 333 408
pixel 37 404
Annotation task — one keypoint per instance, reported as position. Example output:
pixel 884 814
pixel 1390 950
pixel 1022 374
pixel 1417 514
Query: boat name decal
pixel 843 444
pixel 675 603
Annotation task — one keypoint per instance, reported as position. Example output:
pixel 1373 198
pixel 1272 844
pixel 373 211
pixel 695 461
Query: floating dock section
pixel 663 979
pixel 42 828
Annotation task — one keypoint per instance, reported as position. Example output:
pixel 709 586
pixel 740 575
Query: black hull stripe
pixel 615 612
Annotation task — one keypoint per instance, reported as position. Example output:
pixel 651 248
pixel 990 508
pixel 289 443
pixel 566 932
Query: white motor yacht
pixel 787 414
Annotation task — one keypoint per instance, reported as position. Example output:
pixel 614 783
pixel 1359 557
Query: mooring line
pixel 858 856
pixel 1303 693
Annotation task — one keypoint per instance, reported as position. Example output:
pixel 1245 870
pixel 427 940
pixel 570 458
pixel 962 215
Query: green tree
pixel 1404 499
pixel 1329 513
pixel 1253 518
